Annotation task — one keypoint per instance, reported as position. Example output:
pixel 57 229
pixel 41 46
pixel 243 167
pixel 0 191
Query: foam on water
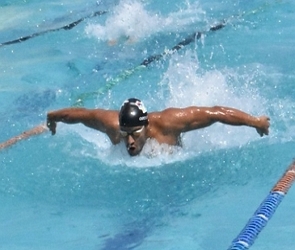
pixel 130 20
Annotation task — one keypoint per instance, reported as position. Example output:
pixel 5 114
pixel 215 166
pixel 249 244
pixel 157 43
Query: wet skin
pixel 164 126
pixel 134 138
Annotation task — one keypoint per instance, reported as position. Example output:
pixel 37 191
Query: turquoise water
pixel 75 190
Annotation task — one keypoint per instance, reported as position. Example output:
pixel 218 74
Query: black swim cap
pixel 133 113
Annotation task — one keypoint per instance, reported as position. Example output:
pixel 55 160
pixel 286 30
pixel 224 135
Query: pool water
pixel 75 190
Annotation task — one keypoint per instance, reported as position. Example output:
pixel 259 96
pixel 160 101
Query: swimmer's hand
pixel 262 125
pixel 51 124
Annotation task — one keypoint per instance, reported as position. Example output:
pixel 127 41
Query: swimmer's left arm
pixel 237 117
pixel 190 118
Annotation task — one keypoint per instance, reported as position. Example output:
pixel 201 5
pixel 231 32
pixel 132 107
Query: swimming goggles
pixel 135 133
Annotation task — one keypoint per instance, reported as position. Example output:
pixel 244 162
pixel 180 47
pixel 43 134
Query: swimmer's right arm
pixel 99 119
pixel 69 116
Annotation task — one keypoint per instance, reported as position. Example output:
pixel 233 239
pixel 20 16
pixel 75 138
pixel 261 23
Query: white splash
pixel 132 22
pixel 96 145
pixel 185 84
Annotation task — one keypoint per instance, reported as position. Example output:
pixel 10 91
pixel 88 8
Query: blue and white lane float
pixel 264 212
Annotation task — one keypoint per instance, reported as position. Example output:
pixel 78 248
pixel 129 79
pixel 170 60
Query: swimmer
pixel 134 125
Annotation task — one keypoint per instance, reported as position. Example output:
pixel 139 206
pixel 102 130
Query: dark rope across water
pixel 65 27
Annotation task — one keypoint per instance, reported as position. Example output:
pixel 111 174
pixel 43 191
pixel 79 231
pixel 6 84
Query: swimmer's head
pixel 133 121
pixel 133 113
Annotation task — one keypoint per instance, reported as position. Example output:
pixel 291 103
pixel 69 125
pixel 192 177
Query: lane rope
pixel 25 135
pixel 65 27
pixel 264 212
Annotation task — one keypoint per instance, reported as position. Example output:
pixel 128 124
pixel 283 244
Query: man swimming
pixel 134 125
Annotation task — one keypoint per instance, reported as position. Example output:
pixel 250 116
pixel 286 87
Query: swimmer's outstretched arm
pixel 190 118
pixel 237 117
pixel 98 119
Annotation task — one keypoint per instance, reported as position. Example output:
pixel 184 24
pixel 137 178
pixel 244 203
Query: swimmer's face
pixel 134 138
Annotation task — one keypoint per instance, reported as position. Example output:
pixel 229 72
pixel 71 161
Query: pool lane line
pixel 65 27
pixel 264 212
pixel 189 39
pixel 144 64
pixel 25 135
